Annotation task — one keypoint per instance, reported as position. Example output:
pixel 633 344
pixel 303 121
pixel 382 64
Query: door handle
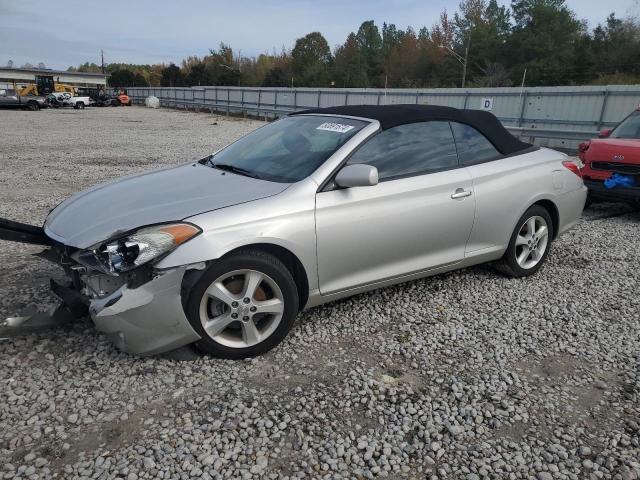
pixel 460 193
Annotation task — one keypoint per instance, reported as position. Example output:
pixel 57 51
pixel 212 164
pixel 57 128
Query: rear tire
pixel 243 305
pixel 33 106
pixel 529 245
pixel 79 106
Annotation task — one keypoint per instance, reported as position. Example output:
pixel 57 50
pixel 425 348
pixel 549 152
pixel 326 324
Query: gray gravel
pixel 466 375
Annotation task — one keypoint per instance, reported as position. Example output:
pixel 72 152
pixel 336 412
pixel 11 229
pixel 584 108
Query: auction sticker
pixel 335 127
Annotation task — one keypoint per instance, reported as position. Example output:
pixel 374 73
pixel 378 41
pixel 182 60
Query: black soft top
pixel 393 115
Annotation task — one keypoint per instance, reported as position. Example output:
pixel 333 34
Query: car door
pixel 418 217
pixel 8 98
pixel 500 188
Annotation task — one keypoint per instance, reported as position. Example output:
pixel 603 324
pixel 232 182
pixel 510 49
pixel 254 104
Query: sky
pixel 71 32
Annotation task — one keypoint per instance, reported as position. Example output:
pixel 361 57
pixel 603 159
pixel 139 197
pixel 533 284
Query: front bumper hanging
pixel 141 312
pixel 23 233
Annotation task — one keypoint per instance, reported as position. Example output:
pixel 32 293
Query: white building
pixel 21 76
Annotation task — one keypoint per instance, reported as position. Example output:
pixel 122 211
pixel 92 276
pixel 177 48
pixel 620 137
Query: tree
pixel 222 69
pixel 544 41
pixel 349 69
pixel 391 39
pixel 484 27
pixel 369 43
pixel 280 71
pixel 542 36
pixel 122 78
pixel 310 60
pixel 614 50
pixel 171 76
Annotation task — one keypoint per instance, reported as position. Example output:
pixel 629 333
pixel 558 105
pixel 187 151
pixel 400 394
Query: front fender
pixel 292 228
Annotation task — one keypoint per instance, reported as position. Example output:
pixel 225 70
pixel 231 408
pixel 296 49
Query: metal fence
pixel 552 116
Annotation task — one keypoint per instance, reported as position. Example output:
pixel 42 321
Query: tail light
pixel 584 146
pixel 573 166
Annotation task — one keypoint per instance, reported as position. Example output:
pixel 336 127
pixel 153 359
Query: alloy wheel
pixel 532 242
pixel 241 308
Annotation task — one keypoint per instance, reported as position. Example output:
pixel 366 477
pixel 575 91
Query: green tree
pixel 172 76
pixel 391 40
pixel 310 60
pixel 349 67
pixel 122 78
pixel 369 42
pixel 484 27
pixel 222 68
pixel 613 51
pixel 544 41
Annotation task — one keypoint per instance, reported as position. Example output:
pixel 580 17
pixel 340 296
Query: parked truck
pixel 10 98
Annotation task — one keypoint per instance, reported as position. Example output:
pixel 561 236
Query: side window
pixel 409 150
pixel 473 146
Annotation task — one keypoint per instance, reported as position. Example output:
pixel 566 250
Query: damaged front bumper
pixel 148 319
pixel 141 311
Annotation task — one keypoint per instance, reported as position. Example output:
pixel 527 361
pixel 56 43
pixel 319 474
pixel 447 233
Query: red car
pixel 612 162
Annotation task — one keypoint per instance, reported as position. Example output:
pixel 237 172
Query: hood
pixel 106 210
pixel 605 149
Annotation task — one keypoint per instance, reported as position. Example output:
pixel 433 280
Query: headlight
pixel 141 247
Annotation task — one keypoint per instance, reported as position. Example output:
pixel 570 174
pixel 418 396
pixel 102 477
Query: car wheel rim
pixel 532 242
pixel 241 308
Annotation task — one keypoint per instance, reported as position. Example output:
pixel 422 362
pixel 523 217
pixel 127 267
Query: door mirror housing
pixel 605 133
pixel 357 175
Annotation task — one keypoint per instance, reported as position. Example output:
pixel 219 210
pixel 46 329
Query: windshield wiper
pixel 233 169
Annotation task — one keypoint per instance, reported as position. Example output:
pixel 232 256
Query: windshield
pixel 287 150
pixel 628 128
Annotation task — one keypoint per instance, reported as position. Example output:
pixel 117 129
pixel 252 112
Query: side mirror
pixel 605 133
pixel 357 175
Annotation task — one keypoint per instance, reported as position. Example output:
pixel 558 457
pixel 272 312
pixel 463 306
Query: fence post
pixel 417 98
pixel 603 109
pixel 523 107
pixel 275 102
pixel 466 99
pixel 228 100
pixel 346 97
pixel 319 93
pixel 295 100
pixel 379 95
pixel 259 100
pixel 244 114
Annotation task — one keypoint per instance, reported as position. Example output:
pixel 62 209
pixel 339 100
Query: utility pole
pixel 466 61
pixel 102 60
pixel 462 60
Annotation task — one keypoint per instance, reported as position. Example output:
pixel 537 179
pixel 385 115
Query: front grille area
pixel 624 168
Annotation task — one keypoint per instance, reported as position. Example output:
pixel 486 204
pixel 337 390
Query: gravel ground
pixel 465 375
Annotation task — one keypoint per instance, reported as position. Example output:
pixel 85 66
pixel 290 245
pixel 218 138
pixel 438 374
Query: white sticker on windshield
pixel 335 127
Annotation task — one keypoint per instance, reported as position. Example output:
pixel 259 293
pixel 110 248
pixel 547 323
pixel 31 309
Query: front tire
pixel 79 106
pixel 243 305
pixel 33 106
pixel 529 244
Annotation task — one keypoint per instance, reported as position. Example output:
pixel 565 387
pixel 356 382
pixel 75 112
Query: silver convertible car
pixel 322 204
